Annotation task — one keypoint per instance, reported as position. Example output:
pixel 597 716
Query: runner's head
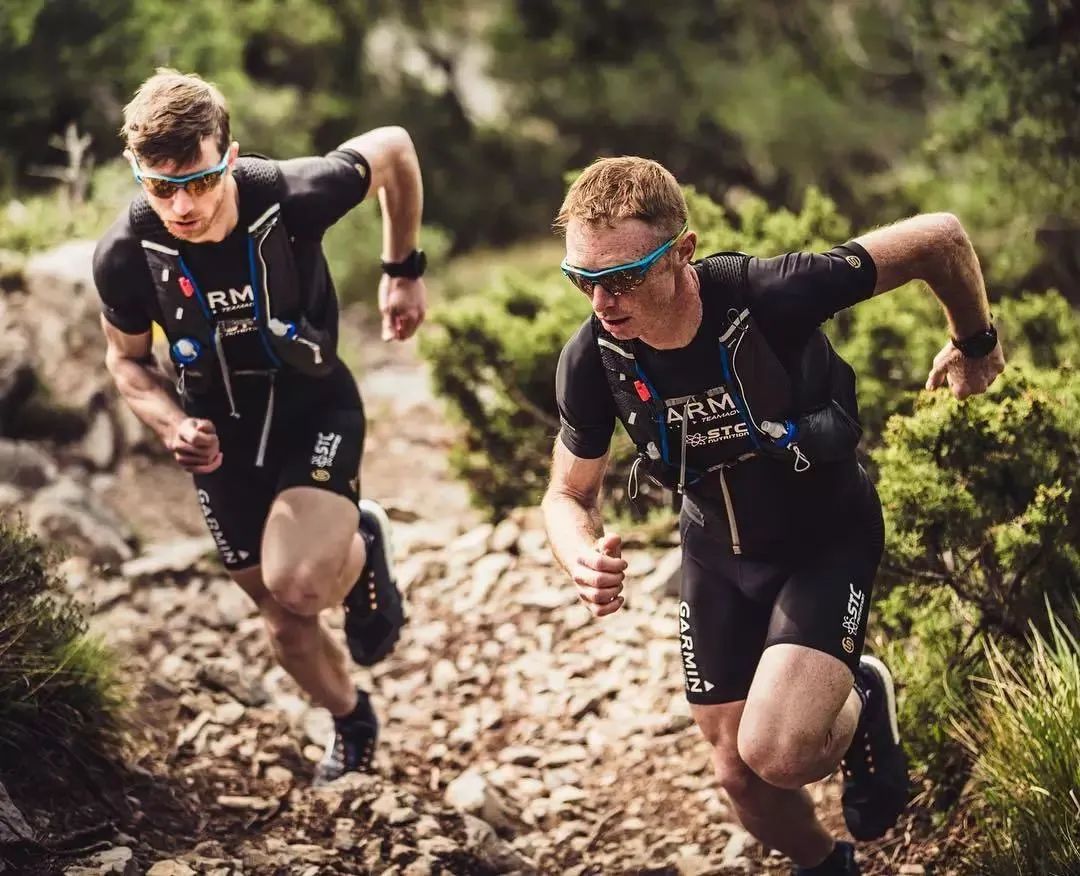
pixel 627 242
pixel 179 145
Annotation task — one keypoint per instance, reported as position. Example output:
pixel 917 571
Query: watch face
pixel 978 345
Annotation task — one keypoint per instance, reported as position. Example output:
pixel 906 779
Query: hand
pixel 194 444
pixel 598 575
pixel 965 376
pixel 403 304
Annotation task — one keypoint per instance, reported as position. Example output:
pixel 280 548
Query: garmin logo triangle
pixel 243 554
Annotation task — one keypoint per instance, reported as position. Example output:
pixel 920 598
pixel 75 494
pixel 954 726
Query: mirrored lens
pixel 621 282
pixel 616 283
pixel 160 188
pixel 203 184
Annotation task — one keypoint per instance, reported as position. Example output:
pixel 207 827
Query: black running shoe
pixel 875 767
pixel 374 613
pixel 841 862
pixel 351 746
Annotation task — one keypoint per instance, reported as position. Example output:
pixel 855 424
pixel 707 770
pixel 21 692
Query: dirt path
pixel 519 736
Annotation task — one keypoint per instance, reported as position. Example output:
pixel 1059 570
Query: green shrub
pixel 1022 733
pixel 930 641
pixel 1039 329
pixel 44 221
pixel 979 496
pixel 493 359
pixel 57 686
pixel 890 341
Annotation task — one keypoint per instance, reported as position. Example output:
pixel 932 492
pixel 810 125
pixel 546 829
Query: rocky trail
pixel 519 735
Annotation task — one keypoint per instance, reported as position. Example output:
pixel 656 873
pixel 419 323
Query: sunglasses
pixel 620 279
pixel 195 184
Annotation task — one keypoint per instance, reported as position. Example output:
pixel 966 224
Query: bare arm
pixel 142 383
pixel 576 530
pixel 148 392
pixel 935 248
pixel 395 175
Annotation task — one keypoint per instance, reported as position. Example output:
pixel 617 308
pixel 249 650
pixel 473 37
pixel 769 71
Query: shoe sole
pixel 882 672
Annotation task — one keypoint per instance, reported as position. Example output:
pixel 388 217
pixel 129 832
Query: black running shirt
pixel 790 296
pixel 319 190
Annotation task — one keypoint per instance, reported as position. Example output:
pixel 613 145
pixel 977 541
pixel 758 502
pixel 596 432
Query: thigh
pixel 816 632
pixel 324 452
pixel 235 500
pixel 825 604
pixel 313 519
pixel 721 630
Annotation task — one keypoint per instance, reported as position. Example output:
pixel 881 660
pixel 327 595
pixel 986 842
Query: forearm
pixel 148 392
pixel 936 249
pixel 402 206
pixel 573 526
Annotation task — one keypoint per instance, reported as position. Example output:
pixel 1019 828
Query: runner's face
pixel 642 310
pixel 186 216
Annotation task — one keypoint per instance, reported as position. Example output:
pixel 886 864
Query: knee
pixel 782 758
pixel 291 635
pixel 298 588
pixel 734 776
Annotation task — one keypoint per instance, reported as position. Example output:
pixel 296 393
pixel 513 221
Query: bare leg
pixel 304 648
pixel 312 553
pixel 780 818
pixel 800 716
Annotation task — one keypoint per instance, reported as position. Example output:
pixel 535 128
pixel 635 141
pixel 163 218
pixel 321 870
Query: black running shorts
pixel 321 449
pixel 733 607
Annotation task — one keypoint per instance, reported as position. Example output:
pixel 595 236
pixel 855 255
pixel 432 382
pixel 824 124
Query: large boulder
pixel 71 513
pixel 24 465
pixel 61 311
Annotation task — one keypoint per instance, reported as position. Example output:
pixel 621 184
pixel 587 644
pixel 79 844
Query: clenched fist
pixel 194 444
pixel 965 376
pixel 598 575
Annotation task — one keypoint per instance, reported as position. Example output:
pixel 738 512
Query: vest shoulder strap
pixel 146 224
pixel 726 273
pixel 261 186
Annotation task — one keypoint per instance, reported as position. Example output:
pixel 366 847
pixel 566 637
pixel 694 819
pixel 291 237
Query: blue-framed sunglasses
pixel 195 184
pixel 620 279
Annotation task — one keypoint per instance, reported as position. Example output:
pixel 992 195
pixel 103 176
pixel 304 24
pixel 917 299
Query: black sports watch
pixel 412 266
pixel 979 344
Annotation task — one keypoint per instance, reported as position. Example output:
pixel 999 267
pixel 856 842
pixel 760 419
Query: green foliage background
pixel 794 126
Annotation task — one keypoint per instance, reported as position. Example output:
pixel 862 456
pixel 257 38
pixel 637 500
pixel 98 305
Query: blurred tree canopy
pixel 889 108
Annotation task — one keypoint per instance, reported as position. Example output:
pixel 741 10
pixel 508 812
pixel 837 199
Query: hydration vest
pixel 195 334
pixel 802 416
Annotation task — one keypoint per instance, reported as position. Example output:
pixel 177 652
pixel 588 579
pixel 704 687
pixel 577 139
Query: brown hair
pixel 170 115
pixel 611 189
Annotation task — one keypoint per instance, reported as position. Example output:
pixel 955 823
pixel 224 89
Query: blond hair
pixel 170 115
pixel 629 187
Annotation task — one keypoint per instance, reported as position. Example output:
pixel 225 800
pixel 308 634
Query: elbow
pixel 402 147
pixel 952 247
pixel 950 231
